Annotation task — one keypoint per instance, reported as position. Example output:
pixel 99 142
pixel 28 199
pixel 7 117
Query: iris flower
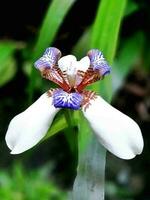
pixel 114 130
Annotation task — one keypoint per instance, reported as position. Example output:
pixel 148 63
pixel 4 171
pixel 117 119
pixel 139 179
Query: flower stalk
pixel 90 179
pixel 104 36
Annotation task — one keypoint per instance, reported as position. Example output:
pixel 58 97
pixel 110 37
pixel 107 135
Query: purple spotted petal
pixel 49 58
pixel 98 62
pixel 62 99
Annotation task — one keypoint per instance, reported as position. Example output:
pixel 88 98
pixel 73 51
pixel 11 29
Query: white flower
pixel 115 131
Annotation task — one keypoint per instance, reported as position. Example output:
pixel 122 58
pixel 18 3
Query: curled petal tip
pixel 116 131
pixel 49 59
pixel 98 62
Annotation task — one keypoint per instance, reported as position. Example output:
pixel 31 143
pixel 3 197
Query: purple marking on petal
pixel 49 58
pixel 62 99
pixel 104 68
pixel 98 62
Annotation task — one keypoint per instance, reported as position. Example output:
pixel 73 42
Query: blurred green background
pixel 48 170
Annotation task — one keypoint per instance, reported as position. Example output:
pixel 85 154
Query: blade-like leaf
pixel 131 7
pixel 7 62
pixel 51 23
pixel 128 55
pixel 53 19
pixel 56 127
pixel 89 183
pixel 106 27
pixel 105 35
pixel 6 50
pixel 82 46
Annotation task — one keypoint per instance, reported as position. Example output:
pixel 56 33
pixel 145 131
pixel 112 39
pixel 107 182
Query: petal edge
pixel 116 131
pixel 29 127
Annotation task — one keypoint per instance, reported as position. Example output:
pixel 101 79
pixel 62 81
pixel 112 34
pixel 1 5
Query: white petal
pixel 116 131
pixel 29 127
pixel 66 62
pixel 83 64
pixel 71 65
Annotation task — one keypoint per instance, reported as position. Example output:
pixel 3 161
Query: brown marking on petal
pixel 55 74
pixel 65 77
pixel 90 76
pixel 50 92
pixel 87 96
pixel 79 77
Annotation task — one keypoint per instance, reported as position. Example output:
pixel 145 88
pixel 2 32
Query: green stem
pixel 53 19
pixel 90 173
pixel 89 183
pixel 70 130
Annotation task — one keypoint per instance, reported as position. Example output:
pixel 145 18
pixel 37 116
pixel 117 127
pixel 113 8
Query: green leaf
pixel 51 23
pixel 82 46
pixel 127 57
pixel 66 122
pixel 106 27
pixel 7 48
pixel 21 184
pixel 105 36
pixel 131 7
pixel 56 127
pixel 89 183
pixel 7 62
pixel 53 19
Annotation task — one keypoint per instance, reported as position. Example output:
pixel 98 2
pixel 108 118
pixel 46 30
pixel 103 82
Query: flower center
pixel 72 76
pixel 73 100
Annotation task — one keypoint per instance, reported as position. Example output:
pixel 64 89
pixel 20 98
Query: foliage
pixel 20 184
pixel 7 62
pixel 104 35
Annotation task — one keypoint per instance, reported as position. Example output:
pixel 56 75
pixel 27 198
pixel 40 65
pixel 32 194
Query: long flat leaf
pixel 7 61
pixel 53 19
pixel 104 37
pixel 56 127
pixel 106 27
pixel 89 183
pixel 51 23
pixel 127 57
pixel 131 7
pixel 82 46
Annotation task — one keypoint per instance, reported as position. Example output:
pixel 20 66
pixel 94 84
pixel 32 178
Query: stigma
pixel 72 76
